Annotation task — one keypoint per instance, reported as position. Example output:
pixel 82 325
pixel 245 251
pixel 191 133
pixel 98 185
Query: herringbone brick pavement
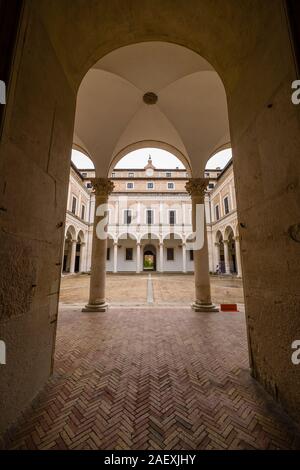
pixel 152 378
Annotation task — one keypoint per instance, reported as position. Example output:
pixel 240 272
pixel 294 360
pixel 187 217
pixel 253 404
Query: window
pixel 129 254
pixel 89 185
pixel 82 211
pixel 172 217
pixel 149 216
pixel 130 185
pixel 217 212
pixel 127 217
pixel 84 175
pixel 113 175
pixel 170 185
pixel 207 175
pixel 170 254
pixel 211 186
pixel 107 254
pixel 150 185
pixel 130 174
pixel 74 204
pixel 226 205
pixel 168 174
pixel 191 255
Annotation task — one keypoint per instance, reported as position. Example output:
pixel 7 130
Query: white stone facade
pixel 135 241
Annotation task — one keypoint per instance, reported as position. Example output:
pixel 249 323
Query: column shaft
pixel 138 257
pixel 115 257
pixel 238 256
pixel 184 257
pixel 226 255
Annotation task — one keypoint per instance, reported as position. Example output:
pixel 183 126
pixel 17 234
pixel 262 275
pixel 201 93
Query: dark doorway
pixel 149 259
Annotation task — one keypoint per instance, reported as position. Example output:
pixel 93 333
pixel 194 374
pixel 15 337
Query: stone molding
pixel 102 186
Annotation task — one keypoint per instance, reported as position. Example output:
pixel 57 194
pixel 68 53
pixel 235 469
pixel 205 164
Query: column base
pixel 201 307
pixel 95 307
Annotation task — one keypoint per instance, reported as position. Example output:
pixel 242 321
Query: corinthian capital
pixel 196 186
pixel 102 186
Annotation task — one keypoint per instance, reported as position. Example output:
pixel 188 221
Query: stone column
pixel 82 257
pixel 115 257
pixel 102 188
pixel 138 257
pixel 161 257
pixel 73 256
pixel 238 256
pixel 183 257
pixel 196 188
pixel 226 256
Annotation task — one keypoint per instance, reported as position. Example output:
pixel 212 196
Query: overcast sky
pixel 160 159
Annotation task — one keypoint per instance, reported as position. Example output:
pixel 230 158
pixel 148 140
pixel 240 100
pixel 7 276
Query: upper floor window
pixel 150 185
pixel 84 175
pixel 171 185
pixel 129 254
pixel 74 204
pixel 217 212
pixel 168 174
pixel 226 205
pixel 107 254
pixel 172 217
pixel 206 174
pixel 191 255
pixel 113 174
pixel 149 216
pixel 89 185
pixel 127 217
pixel 82 211
pixel 130 174
pixel 130 186
pixel 211 185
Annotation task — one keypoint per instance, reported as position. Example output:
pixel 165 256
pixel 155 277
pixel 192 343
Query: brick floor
pixel 152 378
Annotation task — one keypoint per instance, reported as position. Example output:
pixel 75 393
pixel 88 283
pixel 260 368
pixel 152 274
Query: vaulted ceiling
pixel 190 113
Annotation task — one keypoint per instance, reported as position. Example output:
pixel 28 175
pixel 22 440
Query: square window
pixel 129 185
pixel 129 254
pixel 168 174
pixel 150 185
pixel 130 174
pixel 170 185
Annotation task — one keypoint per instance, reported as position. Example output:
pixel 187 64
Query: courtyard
pixel 160 376
pixel 167 289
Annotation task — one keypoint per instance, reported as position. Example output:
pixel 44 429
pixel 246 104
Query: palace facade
pixel 150 221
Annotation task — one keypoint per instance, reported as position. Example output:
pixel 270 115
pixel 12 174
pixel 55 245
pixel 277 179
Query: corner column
pixel 97 303
pixel 196 188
